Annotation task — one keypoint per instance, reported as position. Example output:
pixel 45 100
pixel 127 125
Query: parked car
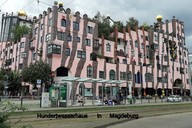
pixel 174 98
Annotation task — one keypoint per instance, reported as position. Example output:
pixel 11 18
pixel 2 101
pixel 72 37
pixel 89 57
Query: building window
pixel 187 81
pixel 112 75
pixel 185 62
pixel 50 22
pixel 89 29
pixel 124 61
pixel 22 45
pixel 49 49
pixel 138 78
pixel 69 38
pixel 96 43
pixel 41 39
pixel 11 51
pixel 75 26
pixel 48 37
pixel 122 75
pixel 184 53
pixel 68 52
pixel 87 42
pixel 93 57
pixel 136 43
pixel 56 49
pixel 159 79
pixel 20 66
pixel 155 37
pixel 60 35
pixel 23 55
pixel 81 54
pixel 63 22
pixel 42 26
pixel 129 75
pixel 108 47
pixel 36 30
pixel 148 77
pixel 142 45
pixel 101 74
pixel 78 39
pixel 89 71
pixel 34 56
pixel 165 58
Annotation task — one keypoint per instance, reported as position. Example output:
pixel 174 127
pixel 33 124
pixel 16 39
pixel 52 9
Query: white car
pixel 174 98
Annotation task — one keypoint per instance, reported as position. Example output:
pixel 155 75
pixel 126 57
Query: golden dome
pixel 159 18
pixel 60 4
pixel 22 13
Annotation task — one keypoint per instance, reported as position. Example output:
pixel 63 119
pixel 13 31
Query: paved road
pixel 182 120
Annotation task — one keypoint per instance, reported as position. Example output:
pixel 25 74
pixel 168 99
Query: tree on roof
pixel 132 22
pixel 18 31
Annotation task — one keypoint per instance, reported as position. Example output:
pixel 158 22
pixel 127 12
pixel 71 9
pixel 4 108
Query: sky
pixel 118 10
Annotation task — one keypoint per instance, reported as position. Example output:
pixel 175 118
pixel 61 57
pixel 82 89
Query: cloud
pixel 143 10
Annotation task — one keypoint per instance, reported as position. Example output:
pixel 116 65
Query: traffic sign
pixel 38 81
pixel 38 86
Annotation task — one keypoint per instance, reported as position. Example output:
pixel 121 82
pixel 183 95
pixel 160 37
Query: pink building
pixel 155 61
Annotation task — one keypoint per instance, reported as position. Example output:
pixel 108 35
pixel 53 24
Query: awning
pixel 92 80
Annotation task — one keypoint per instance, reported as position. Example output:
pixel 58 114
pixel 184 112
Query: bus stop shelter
pixel 88 80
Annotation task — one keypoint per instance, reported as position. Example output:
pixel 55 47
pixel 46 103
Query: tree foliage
pixel 104 28
pixel 6 110
pixel 132 22
pixel 145 26
pixel 119 25
pixel 14 82
pixel 18 31
pixel 2 73
pixel 37 70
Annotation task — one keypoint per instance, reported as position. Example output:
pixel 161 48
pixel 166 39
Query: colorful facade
pixel 154 60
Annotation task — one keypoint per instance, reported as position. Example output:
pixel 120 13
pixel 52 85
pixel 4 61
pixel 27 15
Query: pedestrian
pixel 80 100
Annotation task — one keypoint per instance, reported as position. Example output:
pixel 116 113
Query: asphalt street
pixel 181 120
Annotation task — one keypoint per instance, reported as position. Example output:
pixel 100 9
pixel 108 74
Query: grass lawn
pixel 30 117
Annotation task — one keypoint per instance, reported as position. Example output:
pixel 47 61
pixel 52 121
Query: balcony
pixel 96 47
pixel 121 53
pixel 31 46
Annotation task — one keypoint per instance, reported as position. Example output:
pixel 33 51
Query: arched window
pixel 89 71
pixel 93 56
pixel 63 22
pixel 112 75
pixel 148 77
pixel 108 47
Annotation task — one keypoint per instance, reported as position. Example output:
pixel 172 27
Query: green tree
pixel 14 82
pixel 119 25
pixel 145 26
pixel 6 110
pixel 2 74
pixel 18 31
pixel 37 70
pixel 104 27
pixel 132 22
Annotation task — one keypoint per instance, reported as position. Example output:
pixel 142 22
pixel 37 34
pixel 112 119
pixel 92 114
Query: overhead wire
pixel 27 4
pixel 3 3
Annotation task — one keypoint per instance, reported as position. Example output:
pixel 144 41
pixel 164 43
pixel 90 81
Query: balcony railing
pixel 121 53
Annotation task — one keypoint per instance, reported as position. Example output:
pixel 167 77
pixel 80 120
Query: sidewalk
pixel 34 105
